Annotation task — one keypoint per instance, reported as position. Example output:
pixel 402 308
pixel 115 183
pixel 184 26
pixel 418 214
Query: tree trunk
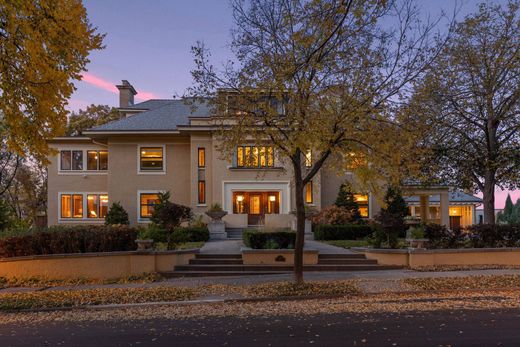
pixel 489 197
pixel 300 226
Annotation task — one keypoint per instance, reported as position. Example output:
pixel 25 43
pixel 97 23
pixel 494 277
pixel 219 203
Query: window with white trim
pixel 75 160
pixel 147 201
pixel 83 205
pixel 151 159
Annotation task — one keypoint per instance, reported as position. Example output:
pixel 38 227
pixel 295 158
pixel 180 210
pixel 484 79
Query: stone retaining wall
pixel 107 265
pixel 426 257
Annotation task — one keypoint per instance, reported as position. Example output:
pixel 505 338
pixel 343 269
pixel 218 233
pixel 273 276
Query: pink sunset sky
pixel 149 45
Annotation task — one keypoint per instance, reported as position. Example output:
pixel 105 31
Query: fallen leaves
pixel 468 282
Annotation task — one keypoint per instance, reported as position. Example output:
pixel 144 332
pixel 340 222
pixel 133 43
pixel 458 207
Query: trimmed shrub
pixel 341 232
pixel 71 239
pixel 169 215
pixel 333 215
pixel 190 234
pixel 497 235
pixel 277 239
pixel 116 215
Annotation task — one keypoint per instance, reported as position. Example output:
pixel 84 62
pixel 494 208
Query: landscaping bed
pixel 269 239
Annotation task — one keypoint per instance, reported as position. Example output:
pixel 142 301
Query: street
pixel 498 327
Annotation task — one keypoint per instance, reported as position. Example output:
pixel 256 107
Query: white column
pixel 445 209
pixel 424 207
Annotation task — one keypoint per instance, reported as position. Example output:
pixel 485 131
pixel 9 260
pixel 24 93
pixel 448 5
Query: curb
pixel 251 300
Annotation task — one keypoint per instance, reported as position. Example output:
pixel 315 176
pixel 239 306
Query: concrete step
pixel 215 261
pixel 174 274
pixel 341 256
pixel 345 261
pixel 218 256
pixel 268 268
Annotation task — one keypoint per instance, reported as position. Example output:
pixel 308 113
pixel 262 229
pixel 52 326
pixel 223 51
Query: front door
pixel 256 212
pixel 454 222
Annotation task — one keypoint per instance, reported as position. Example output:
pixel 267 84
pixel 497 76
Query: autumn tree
pixel 44 47
pixel 320 76
pixel 471 99
pixel 92 116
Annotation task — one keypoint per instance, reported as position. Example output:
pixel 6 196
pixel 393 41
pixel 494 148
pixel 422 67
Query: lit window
pixel 103 206
pixel 97 160
pixel 151 158
pixel 308 158
pixel 77 206
pixel 238 206
pixel 66 206
pixel 308 193
pixel 97 205
pixel 147 202
pixel 202 192
pixel 252 156
pixel 362 201
pixel 92 160
pixel 273 204
pixel 202 157
pixel 92 206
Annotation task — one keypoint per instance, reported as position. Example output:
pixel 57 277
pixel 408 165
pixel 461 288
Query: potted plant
pixel 144 241
pixel 215 212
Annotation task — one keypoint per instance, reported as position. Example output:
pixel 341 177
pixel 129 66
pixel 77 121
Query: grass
pixel 47 282
pixel 347 243
pixel 469 282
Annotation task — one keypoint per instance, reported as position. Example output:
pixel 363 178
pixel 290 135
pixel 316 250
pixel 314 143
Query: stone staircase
pixel 205 264
pixel 234 233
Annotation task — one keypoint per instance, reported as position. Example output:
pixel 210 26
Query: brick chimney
pixel 126 94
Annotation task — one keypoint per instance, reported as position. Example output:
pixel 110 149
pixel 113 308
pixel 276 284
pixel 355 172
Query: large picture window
pixel 147 201
pixel 151 159
pixel 255 156
pixel 72 206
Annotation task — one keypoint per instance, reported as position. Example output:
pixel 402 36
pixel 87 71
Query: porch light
pixel 240 198
pixel 272 198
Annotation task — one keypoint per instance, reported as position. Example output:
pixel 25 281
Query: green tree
pixel 44 47
pixel 392 215
pixel 324 76
pixel 471 98
pixel 5 215
pixel 510 214
pixel 347 201
pixel 116 215
pixel 92 116
pixel 169 215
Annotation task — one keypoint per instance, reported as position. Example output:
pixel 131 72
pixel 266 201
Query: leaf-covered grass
pixel 47 282
pixel 441 268
pixel 469 282
pixel 347 243
pixel 102 296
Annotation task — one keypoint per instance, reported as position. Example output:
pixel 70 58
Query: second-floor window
pixel 255 156
pixel 97 160
pixel 151 159
pixel 74 160
pixel 71 160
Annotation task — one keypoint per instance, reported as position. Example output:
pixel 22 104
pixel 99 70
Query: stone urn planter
pixel 216 215
pixel 144 245
pixel 415 237
pixel 216 227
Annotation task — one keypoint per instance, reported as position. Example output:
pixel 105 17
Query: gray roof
pixel 162 115
pixel 455 197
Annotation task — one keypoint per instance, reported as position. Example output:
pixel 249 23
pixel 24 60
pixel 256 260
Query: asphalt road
pixel 439 328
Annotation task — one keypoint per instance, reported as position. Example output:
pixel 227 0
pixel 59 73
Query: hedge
pixel 277 239
pixel 180 234
pixel 341 232
pixel 70 239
